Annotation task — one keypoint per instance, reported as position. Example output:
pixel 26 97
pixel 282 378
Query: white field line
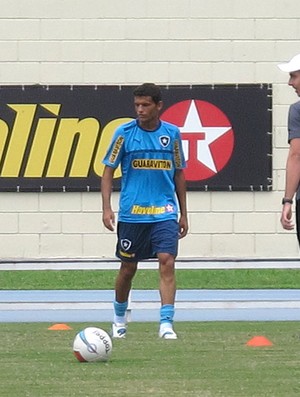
pixel 148 305
pixel 180 264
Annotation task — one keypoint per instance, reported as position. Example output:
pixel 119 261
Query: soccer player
pixel 153 191
pixel 292 184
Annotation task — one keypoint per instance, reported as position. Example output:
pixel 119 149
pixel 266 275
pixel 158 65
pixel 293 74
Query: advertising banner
pixel 53 138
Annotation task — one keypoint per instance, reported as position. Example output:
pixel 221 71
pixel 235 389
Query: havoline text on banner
pixel 53 138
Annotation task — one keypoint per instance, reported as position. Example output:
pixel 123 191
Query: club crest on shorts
pixel 164 140
pixel 125 244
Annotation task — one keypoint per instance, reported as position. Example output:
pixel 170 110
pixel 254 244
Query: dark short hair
pixel 149 89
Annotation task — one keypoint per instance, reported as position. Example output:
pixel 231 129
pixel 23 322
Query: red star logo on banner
pixel 207 137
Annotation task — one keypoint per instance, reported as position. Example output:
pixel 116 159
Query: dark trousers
pixel 298 219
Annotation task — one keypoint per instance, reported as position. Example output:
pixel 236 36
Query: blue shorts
pixel 138 241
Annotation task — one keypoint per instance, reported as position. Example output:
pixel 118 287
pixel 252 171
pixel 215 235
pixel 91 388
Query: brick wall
pixel 167 42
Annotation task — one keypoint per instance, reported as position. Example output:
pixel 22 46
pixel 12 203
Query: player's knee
pixel 128 270
pixel 167 272
pixel 166 259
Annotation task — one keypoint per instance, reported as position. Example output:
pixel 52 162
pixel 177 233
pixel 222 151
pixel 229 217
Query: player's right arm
pixel 108 216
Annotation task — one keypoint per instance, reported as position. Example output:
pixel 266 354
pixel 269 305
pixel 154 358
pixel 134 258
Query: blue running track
pixel 191 305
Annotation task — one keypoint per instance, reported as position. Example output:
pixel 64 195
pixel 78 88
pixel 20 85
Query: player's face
pixel 294 81
pixel 147 111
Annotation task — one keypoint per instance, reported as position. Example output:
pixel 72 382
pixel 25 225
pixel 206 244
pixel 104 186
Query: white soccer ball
pixel 92 344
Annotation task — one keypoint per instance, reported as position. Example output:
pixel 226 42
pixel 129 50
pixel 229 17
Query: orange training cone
pixel 259 341
pixel 59 327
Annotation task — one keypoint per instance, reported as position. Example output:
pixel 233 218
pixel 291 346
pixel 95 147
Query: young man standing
pixel 293 160
pixel 153 185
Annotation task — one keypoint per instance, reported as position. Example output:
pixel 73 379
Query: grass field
pixel 208 359
pixel 148 279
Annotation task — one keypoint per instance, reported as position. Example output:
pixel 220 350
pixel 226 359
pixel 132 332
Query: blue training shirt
pixel 148 162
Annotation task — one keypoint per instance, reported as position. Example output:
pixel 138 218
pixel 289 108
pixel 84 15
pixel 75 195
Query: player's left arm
pixel 180 188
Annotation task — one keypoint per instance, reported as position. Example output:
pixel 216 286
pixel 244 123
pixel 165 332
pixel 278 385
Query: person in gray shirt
pixel 292 176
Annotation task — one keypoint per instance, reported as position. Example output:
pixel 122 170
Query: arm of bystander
pixel 292 182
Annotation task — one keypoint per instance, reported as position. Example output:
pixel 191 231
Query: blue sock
pixel 120 312
pixel 166 314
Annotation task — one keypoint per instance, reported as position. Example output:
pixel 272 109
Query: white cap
pixel 292 66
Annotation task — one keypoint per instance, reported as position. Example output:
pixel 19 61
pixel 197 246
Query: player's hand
pixel 183 226
pixel 108 219
pixel 286 217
